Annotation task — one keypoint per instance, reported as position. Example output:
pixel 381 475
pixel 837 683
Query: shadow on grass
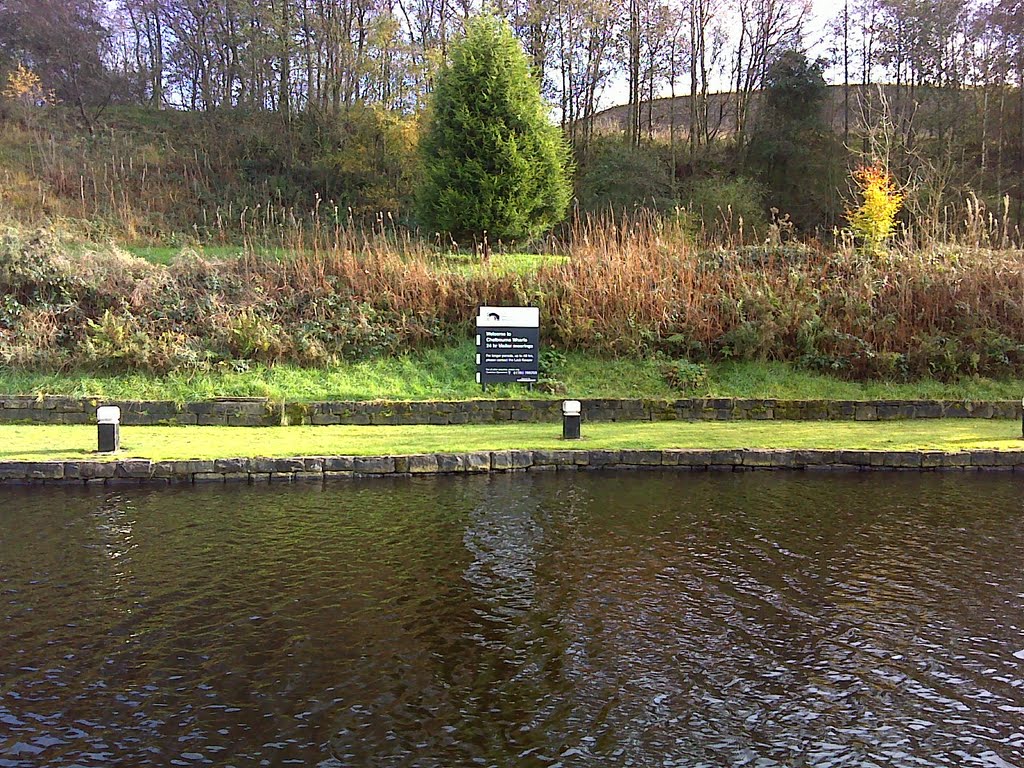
pixel 984 444
pixel 62 453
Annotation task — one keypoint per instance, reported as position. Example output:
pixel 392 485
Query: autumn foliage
pixel 873 222
pixel 24 86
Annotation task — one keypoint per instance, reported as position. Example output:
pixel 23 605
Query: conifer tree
pixel 491 159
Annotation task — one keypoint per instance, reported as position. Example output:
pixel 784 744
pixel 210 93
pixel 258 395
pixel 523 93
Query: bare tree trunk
pixel 846 73
pixel 672 110
pixel 696 50
pixel 633 131
pixel 285 86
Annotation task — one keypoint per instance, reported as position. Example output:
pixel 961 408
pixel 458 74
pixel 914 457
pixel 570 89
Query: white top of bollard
pixel 108 414
pixel 571 407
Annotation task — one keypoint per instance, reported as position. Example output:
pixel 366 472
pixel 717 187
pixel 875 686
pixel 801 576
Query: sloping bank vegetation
pixel 633 289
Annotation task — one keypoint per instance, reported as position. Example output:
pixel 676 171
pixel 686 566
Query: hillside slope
pixel 143 174
pixel 926 107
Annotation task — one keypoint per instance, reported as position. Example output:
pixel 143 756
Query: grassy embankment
pixel 628 292
pixel 448 374
pixel 307 302
pixel 46 443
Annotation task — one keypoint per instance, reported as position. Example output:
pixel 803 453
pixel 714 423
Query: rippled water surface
pixel 531 620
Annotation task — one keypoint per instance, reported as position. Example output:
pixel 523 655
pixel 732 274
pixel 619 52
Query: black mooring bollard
pixel 108 427
pixel 571 419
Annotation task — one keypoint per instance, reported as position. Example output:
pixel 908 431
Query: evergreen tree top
pixel 492 160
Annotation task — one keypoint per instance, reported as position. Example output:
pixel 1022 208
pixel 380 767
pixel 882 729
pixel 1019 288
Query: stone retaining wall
pixel 319 469
pixel 257 412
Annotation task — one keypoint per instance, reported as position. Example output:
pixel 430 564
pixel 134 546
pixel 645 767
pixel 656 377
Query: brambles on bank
pixel 685 376
pixel 634 289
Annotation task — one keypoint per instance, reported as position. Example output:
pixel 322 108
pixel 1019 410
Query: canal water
pixel 605 619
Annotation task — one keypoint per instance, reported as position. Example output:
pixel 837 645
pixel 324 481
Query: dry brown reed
pixel 638 287
pixel 633 287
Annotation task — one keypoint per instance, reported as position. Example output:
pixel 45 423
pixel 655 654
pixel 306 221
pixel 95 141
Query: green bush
pixel 118 341
pixel 726 206
pixel 348 330
pixel 685 376
pixel 619 177
pixel 252 335
pixel 551 364
pixel 34 270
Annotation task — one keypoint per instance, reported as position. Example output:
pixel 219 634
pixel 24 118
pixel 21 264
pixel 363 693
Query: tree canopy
pixel 792 150
pixel 492 161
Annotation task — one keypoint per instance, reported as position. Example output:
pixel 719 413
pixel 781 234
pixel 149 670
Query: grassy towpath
pixel 45 442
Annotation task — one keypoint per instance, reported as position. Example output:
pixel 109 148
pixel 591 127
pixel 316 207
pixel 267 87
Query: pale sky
pixel 823 11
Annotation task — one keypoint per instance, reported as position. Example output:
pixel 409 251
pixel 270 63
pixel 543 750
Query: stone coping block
pixel 133 471
pixel 261 412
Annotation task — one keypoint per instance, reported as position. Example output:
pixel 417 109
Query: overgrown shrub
pixel 251 335
pixel 34 341
pixel 686 376
pixel 341 329
pixel 34 270
pixel 551 364
pixel 118 341
pixel 729 210
pixel 618 178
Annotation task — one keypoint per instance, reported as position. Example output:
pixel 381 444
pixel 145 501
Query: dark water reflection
pixel 540 620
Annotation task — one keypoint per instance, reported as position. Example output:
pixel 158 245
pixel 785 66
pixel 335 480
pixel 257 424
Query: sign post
pixel 507 345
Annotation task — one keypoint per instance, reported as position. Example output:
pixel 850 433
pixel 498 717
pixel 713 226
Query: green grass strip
pixel 448 373
pixel 465 263
pixel 46 442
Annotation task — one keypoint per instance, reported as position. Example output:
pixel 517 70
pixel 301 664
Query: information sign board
pixel 507 345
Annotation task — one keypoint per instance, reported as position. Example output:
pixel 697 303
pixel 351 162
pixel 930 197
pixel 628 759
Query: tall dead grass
pixel 141 181
pixel 634 287
pixel 639 287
